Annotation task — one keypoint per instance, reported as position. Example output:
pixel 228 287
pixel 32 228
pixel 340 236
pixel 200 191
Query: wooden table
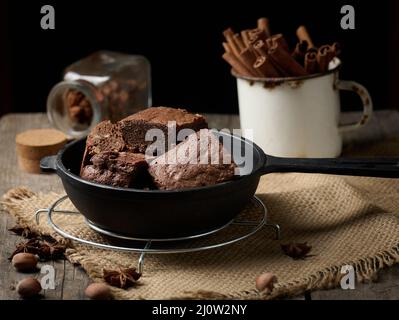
pixel 71 280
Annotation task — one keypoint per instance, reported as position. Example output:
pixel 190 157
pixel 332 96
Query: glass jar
pixel 103 86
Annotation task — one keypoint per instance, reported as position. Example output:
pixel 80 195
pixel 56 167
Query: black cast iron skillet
pixel 156 214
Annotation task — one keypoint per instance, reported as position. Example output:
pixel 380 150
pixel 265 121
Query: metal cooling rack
pixel 236 230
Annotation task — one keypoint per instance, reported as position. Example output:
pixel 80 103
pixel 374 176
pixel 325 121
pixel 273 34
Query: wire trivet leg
pixel 140 265
pixel 276 228
pixel 38 213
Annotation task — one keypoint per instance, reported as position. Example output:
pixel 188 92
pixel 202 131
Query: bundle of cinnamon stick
pixel 258 53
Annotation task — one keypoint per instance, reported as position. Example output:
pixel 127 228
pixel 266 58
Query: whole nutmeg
pixel 28 287
pixel 98 291
pixel 265 282
pixel 24 261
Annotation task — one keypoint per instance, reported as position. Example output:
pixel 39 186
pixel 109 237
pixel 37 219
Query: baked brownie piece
pixel 135 126
pixel 118 169
pixel 197 161
pixel 105 137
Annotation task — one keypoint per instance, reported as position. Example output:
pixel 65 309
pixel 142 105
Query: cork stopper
pixel 33 145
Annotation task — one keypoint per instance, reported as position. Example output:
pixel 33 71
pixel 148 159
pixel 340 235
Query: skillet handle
pixel 378 167
pixel 48 164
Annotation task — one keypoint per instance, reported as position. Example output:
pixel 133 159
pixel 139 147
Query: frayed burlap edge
pixel 366 269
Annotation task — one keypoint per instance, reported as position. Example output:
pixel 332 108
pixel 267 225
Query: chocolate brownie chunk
pixel 134 127
pixel 198 161
pixel 118 169
pixel 105 137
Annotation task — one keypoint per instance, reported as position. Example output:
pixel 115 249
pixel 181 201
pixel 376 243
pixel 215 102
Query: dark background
pixel 183 42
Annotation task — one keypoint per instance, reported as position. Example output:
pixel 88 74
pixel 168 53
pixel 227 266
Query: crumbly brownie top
pixel 135 127
pixel 105 137
pixel 161 115
pixel 193 163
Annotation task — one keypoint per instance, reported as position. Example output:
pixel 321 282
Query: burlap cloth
pixel 347 220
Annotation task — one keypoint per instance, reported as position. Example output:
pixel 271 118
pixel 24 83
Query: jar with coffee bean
pixel 103 86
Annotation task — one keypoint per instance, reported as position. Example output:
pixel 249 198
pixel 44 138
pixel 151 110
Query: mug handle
pixel 366 100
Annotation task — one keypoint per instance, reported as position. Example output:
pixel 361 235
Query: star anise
pixel 51 250
pixel 297 250
pixel 124 278
pixel 30 246
pixel 25 232
pixel 46 248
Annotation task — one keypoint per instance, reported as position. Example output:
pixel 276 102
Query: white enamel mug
pixel 298 117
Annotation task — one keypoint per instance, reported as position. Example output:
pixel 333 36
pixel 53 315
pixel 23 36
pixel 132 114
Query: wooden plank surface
pixel 71 280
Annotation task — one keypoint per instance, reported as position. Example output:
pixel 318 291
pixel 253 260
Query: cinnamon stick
pixel 285 61
pixel 229 35
pixel 245 39
pixel 237 65
pixel 260 47
pixel 265 68
pixel 336 48
pixel 257 34
pixel 238 41
pixel 248 58
pixel 256 52
pixel 303 35
pixel 280 71
pixel 324 56
pixel 279 39
pixel 299 52
pixel 311 62
pixel 263 24
pixel 313 49
pixel 227 47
